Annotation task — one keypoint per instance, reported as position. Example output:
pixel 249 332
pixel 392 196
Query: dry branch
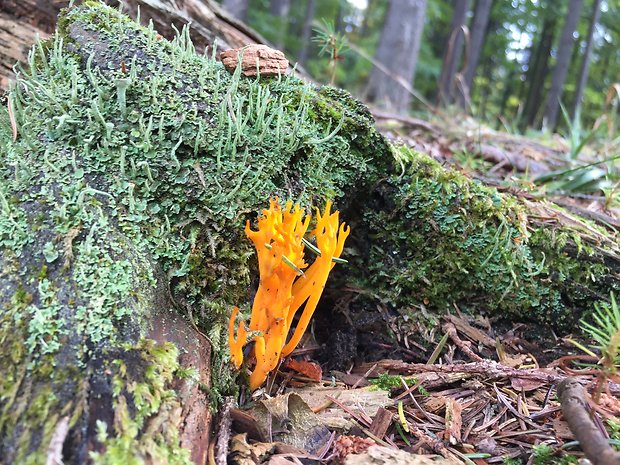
pixel 577 413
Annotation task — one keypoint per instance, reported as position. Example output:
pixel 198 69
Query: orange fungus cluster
pixel 286 282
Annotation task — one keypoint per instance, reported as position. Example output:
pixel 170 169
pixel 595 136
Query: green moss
pixel 146 408
pixel 438 238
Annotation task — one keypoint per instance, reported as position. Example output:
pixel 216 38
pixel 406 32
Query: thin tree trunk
pixel 237 8
pixel 535 77
pixel 452 54
pixel 306 33
pixel 339 23
pixel 561 68
pixel 399 46
pixel 280 10
pixel 585 64
pixel 478 33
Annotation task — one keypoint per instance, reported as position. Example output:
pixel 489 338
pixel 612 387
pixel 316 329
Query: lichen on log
pixel 124 194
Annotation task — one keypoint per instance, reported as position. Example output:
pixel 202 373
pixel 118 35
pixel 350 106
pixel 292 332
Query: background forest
pixel 507 63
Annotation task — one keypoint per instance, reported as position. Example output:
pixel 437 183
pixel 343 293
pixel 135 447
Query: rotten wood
pixel 255 60
pixel 22 21
pixel 381 422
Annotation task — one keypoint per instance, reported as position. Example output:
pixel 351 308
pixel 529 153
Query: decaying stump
pixel 128 168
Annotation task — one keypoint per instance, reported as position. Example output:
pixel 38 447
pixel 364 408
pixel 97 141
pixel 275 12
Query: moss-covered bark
pixel 123 198
pixel 435 238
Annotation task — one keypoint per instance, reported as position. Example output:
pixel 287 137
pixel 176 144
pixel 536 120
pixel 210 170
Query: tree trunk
pixel 237 8
pixel 478 33
pixel 306 33
pixel 561 67
pixel 280 10
pixel 399 45
pixel 452 54
pixel 538 65
pixel 587 54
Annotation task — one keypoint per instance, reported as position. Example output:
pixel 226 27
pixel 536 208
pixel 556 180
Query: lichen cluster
pixel 134 168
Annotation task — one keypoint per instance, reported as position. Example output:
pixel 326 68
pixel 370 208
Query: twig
pixel 54 450
pixel 409 121
pixel 576 413
pixel 489 368
pixel 223 435
pixel 450 329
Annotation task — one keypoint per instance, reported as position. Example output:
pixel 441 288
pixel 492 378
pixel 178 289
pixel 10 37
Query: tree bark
pixel 478 33
pixel 452 54
pixel 587 54
pixel 561 68
pixel 398 51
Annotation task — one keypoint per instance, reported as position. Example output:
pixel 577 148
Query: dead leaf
pixel 611 404
pixel 379 455
pixel 561 429
pixel 308 369
pixel 288 419
pixel 243 453
pixel 365 401
pixel 524 384
pixel 513 361
pixel 279 460
pixel 435 403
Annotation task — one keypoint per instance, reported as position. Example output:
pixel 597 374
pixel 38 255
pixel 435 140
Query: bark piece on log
pixel 256 59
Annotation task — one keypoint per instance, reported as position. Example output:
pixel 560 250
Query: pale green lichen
pixel 123 186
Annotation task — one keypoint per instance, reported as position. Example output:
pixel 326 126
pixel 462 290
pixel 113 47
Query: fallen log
pixel 128 167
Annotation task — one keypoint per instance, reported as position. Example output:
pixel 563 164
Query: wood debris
pixel 255 59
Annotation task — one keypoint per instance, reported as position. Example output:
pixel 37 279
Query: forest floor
pixel 473 390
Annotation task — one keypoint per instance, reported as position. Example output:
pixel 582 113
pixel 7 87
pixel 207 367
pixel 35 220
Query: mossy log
pixel 128 168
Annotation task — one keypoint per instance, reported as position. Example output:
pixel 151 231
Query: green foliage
pixel 544 454
pixel 332 44
pixel 508 57
pixel 388 382
pixel 604 330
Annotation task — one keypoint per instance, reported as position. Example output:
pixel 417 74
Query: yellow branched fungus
pixel 284 285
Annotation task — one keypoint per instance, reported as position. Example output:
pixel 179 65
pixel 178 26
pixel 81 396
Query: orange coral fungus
pixel 284 285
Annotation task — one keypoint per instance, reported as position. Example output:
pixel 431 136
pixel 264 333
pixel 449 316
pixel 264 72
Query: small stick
pixel 577 414
pixel 450 329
